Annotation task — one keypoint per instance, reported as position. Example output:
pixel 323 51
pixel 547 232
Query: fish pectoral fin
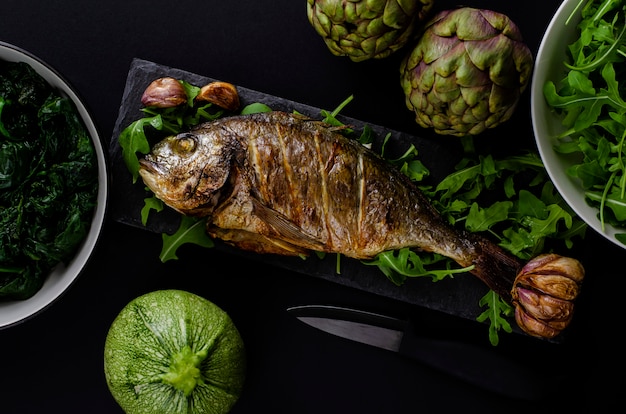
pixel 288 230
pixel 256 242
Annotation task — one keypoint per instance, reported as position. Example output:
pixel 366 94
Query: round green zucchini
pixel 174 352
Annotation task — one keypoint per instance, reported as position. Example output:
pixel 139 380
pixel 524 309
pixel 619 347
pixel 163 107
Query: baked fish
pixel 285 184
pixel 282 183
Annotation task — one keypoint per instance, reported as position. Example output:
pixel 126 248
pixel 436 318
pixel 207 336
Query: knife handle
pixel 477 365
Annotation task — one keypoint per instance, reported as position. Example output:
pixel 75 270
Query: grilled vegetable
pixel 366 29
pixel 164 92
pixel 285 184
pixel 173 352
pixel 222 94
pixel 544 291
pixel 467 71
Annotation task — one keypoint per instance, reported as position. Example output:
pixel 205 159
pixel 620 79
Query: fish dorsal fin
pixel 286 228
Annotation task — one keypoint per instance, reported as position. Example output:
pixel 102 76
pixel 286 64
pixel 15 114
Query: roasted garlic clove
pixel 544 292
pixel 164 93
pixel 222 94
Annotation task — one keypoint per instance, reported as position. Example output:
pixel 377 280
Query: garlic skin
pixel 544 292
pixel 222 94
pixel 164 92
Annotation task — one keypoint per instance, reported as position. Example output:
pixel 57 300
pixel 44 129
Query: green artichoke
pixel 366 29
pixel 466 72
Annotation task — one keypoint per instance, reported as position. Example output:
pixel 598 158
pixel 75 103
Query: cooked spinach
pixel 48 180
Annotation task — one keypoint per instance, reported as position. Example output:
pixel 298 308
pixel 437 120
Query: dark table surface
pixel 53 363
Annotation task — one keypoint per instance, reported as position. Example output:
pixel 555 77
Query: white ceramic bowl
pixel 13 312
pixel 546 125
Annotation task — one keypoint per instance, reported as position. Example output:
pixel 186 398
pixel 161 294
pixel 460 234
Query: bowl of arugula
pixel 53 185
pixel 577 111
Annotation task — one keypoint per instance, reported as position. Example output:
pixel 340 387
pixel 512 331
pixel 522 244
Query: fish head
pixel 187 171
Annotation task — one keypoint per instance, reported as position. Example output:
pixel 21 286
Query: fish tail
pixel 496 267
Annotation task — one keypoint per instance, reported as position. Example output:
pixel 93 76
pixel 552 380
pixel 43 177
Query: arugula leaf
pixel 133 140
pixel 367 136
pixel 150 203
pixel 407 163
pixel 331 117
pixel 530 205
pixel 496 309
pixel 191 230
pixel 482 219
pixel 403 263
pixel 191 91
pixel 549 225
pixel 615 201
pixel 255 108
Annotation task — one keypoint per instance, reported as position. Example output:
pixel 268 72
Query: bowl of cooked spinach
pixel 53 185
pixel 577 108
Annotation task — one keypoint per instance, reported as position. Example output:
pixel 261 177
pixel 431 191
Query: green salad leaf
pixel 403 263
pixel 497 313
pixel 589 100
pixel 191 230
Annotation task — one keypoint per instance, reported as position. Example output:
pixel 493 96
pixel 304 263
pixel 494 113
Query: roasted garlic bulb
pixel 164 93
pixel 169 92
pixel 544 292
pixel 222 94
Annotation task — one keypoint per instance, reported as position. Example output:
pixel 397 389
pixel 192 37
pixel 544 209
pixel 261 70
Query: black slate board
pixel 458 296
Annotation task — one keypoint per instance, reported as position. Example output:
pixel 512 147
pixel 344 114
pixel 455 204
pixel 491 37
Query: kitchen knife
pixel 479 366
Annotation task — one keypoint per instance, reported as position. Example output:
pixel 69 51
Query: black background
pixel 53 363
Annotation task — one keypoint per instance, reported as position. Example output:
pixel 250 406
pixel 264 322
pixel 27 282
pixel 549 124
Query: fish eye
pixel 185 144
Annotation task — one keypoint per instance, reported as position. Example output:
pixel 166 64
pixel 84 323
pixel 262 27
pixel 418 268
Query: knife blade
pixel 474 364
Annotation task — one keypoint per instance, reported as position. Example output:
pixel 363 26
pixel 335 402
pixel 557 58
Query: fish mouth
pixel 147 166
pixel 149 173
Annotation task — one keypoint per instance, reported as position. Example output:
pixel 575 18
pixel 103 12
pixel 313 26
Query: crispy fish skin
pixel 285 184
